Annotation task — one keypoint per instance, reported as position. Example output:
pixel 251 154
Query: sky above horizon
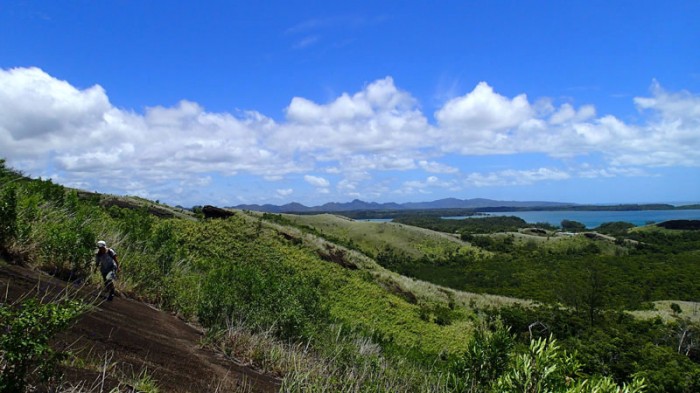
pixel 232 102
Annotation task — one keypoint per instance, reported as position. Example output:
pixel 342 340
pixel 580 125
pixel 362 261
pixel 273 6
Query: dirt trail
pixel 131 337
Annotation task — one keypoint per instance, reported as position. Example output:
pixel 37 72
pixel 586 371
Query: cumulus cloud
pixel 378 119
pixel 436 167
pixel 513 177
pixel 483 110
pixel 52 128
pixel 316 181
pixel 39 113
pixel 567 113
pixel 485 122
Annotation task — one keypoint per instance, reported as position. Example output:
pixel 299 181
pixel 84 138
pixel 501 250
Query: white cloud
pixel 316 181
pixel 483 110
pixel 284 192
pixel 567 113
pixel 484 122
pixel 671 106
pixel 378 119
pixel 514 177
pixel 347 185
pixel 50 128
pixel 436 167
pixel 39 113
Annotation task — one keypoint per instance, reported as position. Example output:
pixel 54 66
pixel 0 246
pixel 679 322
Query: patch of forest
pixel 631 269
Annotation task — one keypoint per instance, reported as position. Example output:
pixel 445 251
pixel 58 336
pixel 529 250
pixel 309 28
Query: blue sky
pixel 232 102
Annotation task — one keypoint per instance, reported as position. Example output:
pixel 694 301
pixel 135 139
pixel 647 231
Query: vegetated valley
pixel 325 303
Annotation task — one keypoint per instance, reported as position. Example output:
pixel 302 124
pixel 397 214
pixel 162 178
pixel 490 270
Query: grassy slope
pixel 415 242
pixel 424 291
pixel 373 298
pixel 373 237
pixel 354 298
pixel 662 309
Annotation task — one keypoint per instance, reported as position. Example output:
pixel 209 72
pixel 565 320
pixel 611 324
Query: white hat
pixel 101 244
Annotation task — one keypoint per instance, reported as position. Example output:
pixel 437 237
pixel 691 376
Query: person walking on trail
pixel 106 261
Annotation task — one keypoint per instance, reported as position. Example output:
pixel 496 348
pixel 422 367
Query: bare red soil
pixel 126 338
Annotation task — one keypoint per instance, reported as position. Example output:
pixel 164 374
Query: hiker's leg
pixel 105 282
pixel 111 276
pixel 109 285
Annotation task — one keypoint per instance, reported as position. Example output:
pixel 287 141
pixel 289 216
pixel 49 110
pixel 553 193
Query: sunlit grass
pixel 663 310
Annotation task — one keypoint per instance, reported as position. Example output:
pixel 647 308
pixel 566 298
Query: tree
pixel 676 308
pixel 572 226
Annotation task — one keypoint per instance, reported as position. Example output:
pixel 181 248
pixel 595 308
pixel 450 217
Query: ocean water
pixel 592 219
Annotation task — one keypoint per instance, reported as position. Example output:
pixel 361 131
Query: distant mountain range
pixel 358 205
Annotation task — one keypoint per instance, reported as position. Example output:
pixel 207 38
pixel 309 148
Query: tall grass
pixel 348 362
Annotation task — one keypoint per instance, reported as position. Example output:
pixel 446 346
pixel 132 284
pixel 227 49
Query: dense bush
pixel 8 216
pixel 485 360
pixel 618 346
pixel 572 226
pixel 489 224
pixel 26 329
pixel 494 363
pixel 262 295
pixel 66 246
pixel 617 228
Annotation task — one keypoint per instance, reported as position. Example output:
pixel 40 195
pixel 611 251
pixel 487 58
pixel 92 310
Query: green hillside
pixel 320 301
pixel 374 237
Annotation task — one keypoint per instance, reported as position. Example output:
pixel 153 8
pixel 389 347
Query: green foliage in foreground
pixel 618 345
pixel 27 328
pixel 492 364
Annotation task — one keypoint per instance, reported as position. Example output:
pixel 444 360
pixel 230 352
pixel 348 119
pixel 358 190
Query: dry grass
pixel 306 370
pixel 373 237
pixel 662 309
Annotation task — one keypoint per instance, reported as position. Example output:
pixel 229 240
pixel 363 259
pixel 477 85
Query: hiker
pixel 106 260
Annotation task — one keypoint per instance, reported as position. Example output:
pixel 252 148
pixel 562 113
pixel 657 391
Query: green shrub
pixel 26 329
pixel 8 215
pixel 486 358
pixel 264 298
pixel 67 247
pixel 135 223
pixel 544 367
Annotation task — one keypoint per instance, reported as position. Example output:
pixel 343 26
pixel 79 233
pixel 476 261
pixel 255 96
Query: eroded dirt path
pixel 127 337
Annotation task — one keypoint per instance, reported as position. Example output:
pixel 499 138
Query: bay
pixel 592 219
pixel 375 219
